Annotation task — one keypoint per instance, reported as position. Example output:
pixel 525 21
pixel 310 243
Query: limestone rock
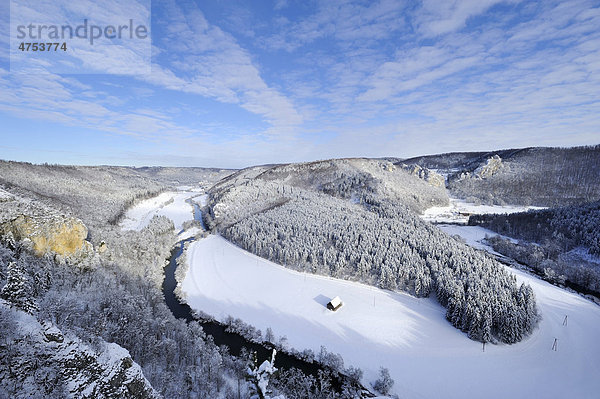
pixel 102 247
pixel 52 333
pixel 491 167
pixel 431 177
pixel 57 234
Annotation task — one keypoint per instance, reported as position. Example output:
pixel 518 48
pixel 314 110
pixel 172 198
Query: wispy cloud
pixel 93 54
pixel 520 77
pixel 339 78
pixel 209 62
pixel 435 18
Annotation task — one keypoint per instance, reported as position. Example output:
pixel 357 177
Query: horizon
pixel 307 161
pixel 233 85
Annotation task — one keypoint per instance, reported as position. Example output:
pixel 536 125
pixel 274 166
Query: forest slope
pixel 530 176
pixel 351 227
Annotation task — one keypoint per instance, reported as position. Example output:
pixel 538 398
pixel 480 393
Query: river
pixel 234 341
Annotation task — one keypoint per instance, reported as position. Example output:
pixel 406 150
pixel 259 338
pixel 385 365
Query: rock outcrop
pixel 59 235
pixel 48 362
pixel 491 167
pixel 431 177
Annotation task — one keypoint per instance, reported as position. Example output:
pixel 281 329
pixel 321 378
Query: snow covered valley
pixel 172 204
pixel 426 356
pixel 458 211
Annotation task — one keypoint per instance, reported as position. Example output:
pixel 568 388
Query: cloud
pixel 345 21
pixel 348 79
pixel 58 99
pixel 193 57
pixel 439 17
pixel 201 58
pixel 124 55
pixel 280 4
pixel 504 82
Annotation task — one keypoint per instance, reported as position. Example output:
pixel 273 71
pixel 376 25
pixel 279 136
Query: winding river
pixel 233 341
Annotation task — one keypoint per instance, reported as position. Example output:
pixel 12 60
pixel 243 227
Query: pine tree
pixel 385 383
pixel 18 290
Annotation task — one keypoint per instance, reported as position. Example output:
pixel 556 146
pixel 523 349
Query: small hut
pixel 334 304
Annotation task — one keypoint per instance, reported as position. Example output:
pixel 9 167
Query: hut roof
pixel 335 302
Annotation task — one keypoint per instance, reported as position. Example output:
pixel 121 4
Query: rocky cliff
pixel 61 235
pixel 45 362
pixel 43 230
pixel 431 177
pixel 490 168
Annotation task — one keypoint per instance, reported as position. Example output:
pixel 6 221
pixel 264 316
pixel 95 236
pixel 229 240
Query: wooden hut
pixel 334 304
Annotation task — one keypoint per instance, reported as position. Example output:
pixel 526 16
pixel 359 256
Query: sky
pixel 238 83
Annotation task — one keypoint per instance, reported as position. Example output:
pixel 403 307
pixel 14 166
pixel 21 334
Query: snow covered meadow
pixel 426 356
pixel 473 235
pixel 458 211
pixel 172 204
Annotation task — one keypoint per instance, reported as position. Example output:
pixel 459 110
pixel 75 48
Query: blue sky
pixel 237 83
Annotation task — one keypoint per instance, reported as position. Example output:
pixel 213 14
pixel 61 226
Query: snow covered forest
pixel 531 176
pixel 344 227
pixel 98 325
pixel 566 227
pixel 556 236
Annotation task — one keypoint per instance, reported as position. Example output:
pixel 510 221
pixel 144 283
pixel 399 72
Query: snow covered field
pixel 473 235
pixel 426 356
pixel 171 204
pixel 459 210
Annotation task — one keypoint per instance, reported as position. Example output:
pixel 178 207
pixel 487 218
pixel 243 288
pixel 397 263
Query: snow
pixel 201 199
pixel 459 210
pixel 473 235
pixel 5 195
pixel 172 204
pixel 426 356
pixel 581 254
pixel 191 232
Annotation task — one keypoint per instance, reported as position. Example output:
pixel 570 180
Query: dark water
pixel 233 341
pixel 198 214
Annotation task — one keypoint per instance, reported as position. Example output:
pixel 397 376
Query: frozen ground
pixel 459 210
pixel 426 356
pixel 473 235
pixel 171 204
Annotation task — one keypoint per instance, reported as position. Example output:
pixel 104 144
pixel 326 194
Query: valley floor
pixel 426 356
pixel 458 211
pixel 172 204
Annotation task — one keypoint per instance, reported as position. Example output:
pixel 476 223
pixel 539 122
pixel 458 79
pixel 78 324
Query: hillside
pixel 562 243
pixel 329 219
pixel 111 333
pixel 530 176
pixel 98 193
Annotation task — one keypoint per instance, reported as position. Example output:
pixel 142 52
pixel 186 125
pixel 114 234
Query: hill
pixel 529 176
pixel 355 219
